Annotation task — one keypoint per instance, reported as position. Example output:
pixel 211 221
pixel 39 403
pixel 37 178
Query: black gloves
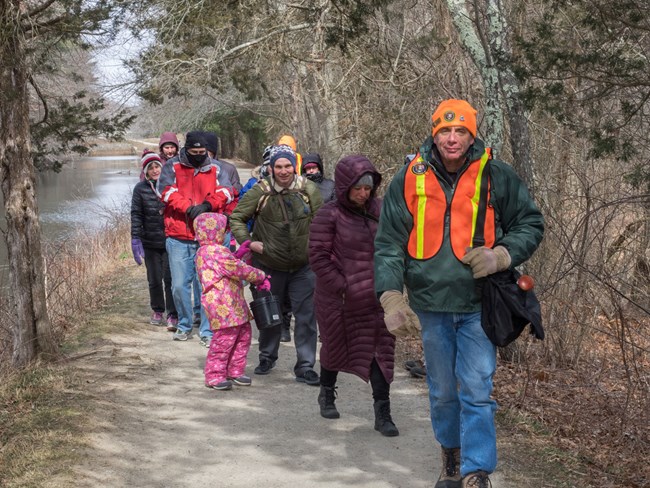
pixel 195 210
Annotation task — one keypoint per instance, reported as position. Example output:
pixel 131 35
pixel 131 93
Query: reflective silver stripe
pixel 168 193
pixel 227 193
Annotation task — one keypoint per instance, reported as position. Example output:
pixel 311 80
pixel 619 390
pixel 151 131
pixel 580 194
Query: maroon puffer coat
pixel 341 250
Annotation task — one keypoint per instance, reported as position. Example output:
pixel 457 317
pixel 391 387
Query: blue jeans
pixel 461 362
pixel 185 285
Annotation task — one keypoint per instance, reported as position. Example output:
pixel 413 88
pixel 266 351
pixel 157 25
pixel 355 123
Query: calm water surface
pixel 83 194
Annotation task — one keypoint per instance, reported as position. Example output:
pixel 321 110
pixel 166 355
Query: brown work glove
pixel 399 318
pixel 485 261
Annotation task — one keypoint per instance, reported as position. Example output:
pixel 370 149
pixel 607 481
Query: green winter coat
pixel 443 283
pixel 285 239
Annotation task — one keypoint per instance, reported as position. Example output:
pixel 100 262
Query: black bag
pixel 507 309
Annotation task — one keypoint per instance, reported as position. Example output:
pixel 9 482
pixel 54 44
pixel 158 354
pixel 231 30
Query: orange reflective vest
pixel 471 217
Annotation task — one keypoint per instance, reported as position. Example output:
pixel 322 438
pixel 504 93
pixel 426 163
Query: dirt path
pixel 156 425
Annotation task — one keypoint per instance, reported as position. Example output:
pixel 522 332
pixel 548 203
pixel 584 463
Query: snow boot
pixel 383 421
pixel 326 399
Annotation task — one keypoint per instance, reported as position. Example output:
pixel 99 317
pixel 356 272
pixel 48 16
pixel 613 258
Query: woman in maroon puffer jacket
pixel 350 319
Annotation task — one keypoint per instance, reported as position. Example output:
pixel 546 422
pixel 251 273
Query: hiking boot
pixel 172 323
pixel 242 380
pixel 326 399
pixel 450 476
pixel 309 377
pixel 180 335
pixel 205 341
pixel 265 366
pixel 478 479
pixel 383 421
pixel 223 385
pixel 286 335
pixel 156 318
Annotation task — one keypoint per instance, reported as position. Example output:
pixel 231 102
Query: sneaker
pixel 224 385
pixel 478 479
pixel 309 377
pixel 265 366
pixel 205 341
pixel 242 380
pixel 197 320
pixel 172 323
pixel 410 364
pixel 156 318
pixel 418 372
pixel 180 335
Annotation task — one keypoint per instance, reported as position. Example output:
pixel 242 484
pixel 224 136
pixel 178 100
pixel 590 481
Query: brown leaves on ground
pixel 590 420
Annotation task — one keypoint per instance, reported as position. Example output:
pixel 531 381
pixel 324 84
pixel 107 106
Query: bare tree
pixel 29 29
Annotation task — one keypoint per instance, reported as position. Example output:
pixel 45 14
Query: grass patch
pixel 42 419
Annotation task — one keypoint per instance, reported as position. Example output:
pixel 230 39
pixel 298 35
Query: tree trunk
pixel 32 331
pixel 473 41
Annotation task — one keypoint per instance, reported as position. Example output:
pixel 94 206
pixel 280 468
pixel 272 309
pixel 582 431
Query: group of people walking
pixel 335 255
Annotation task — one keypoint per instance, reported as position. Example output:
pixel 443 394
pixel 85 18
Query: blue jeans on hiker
pixel 461 362
pixel 184 285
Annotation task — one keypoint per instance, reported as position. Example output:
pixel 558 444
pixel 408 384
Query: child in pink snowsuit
pixel 221 274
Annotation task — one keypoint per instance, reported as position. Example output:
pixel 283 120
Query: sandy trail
pixel 156 425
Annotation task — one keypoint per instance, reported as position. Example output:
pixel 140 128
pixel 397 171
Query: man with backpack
pixel 283 205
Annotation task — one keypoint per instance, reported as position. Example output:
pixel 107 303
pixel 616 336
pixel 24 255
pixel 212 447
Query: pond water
pixel 84 194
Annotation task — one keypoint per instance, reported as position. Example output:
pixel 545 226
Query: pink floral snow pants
pixel 227 354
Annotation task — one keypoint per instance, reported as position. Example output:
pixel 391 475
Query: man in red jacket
pixel 189 186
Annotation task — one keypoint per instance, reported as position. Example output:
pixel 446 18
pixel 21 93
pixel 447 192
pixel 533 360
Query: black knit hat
pixel 195 139
pixel 211 141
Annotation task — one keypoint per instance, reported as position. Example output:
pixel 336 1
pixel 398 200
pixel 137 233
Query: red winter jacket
pixel 181 186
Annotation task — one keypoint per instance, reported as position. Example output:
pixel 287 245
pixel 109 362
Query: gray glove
pixel 485 261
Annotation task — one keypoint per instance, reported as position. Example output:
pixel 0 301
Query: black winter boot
pixel 450 476
pixel 326 399
pixel 383 421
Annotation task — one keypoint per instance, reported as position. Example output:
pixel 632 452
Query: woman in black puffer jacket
pixel 148 241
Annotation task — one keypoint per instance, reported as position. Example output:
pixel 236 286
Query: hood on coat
pixel 312 158
pixel 167 137
pixel 347 173
pixel 210 228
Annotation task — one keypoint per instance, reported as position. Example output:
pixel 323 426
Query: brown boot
pixel 478 479
pixel 450 475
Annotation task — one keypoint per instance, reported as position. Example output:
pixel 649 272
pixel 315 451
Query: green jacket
pixel 285 238
pixel 443 283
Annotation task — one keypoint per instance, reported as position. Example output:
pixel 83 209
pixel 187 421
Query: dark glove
pixel 138 250
pixel 195 210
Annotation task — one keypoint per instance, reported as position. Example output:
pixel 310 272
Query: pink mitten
pixel 244 249
pixel 266 284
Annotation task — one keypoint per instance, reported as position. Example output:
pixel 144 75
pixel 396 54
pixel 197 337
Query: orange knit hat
pixel 287 140
pixel 454 113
